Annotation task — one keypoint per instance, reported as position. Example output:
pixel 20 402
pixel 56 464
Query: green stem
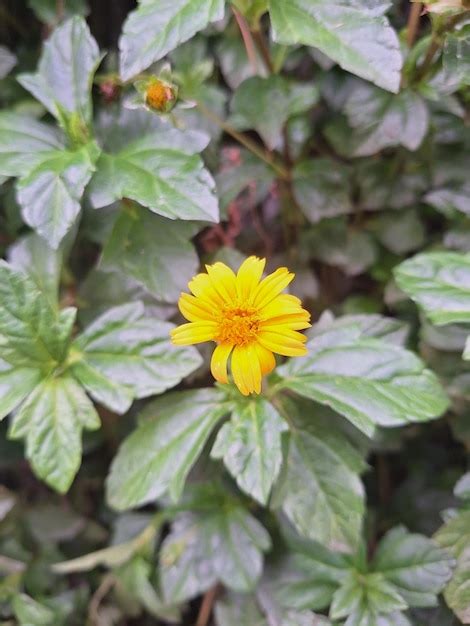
pixel 437 41
pixel 250 145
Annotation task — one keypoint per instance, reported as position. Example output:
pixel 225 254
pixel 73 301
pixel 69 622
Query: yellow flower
pixel 247 317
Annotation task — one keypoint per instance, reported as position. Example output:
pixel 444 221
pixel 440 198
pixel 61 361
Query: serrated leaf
pixel 335 244
pixel 189 564
pixel 64 77
pixel 365 594
pixel 369 381
pixel 380 119
pixel 308 575
pixel 51 421
pixel 160 171
pixel 15 384
pixel 123 355
pixel 457 593
pixel 354 34
pixel 401 233
pixel 247 171
pixel 244 610
pixel 158 455
pixel 455 534
pixel 31 255
pixel 415 565
pixel 32 332
pixel 46 10
pixel 7 61
pixel 320 490
pixel 453 196
pixel 28 612
pixel 281 97
pixel 250 445
pixel 155 251
pixel 440 283
pixel 322 188
pixel 23 143
pixel 456 55
pixel 50 193
pixel 154 28
pixel 134 577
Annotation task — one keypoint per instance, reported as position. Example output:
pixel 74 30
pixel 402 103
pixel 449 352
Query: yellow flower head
pixel 247 317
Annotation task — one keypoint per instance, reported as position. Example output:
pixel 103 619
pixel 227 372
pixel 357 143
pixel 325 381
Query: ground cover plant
pixel 234 312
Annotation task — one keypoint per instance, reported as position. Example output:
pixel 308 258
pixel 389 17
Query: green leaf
pixel 64 78
pixel 283 98
pixel 250 445
pixel 31 255
pixel 32 332
pixel 51 420
pixel 453 196
pixel 457 54
pixel 189 564
pixel 320 490
pixel 134 577
pixel 15 384
pixel 308 576
pixel 245 610
pixel 457 593
pixel 334 243
pixel 369 381
pixel 50 193
pixel 234 63
pixel 455 534
pixel 380 119
pixel 366 596
pixel 155 251
pixel 29 612
pixel 46 10
pixel 158 455
pixel 247 172
pixel 7 61
pixel 123 355
pixel 153 30
pixel 160 171
pixel 353 33
pixel 400 232
pixel 462 488
pixel 440 283
pixel 24 142
pixel 368 599
pixel 322 188
pixel 415 565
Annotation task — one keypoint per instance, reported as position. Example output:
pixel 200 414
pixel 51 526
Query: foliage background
pixel 329 137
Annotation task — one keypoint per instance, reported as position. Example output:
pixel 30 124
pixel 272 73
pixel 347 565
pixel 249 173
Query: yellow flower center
pixel 158 95
pixel 238 325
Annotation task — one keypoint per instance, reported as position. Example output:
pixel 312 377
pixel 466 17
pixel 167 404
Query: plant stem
pixel 206 606
pixel 60 10
pixel 250 145
pixel 264 50
pixel 413 23
pixel 247 39
pixel 105 587
pixel 437 42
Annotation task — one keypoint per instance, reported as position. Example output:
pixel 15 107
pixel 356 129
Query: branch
pixel 206 606
pixel 413 23
pixel 247 39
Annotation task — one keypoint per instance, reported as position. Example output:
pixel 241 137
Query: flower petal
pixel 266 359
pixel 294 321
pixel 223 280
pixel 286 342
pixel 219 362
pixel 195 309
pixel 248 277
pixel 193 332
pixel 271 286
pixel 246 369
pixel 202 287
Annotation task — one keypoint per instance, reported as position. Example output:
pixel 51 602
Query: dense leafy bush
pixel 327 137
